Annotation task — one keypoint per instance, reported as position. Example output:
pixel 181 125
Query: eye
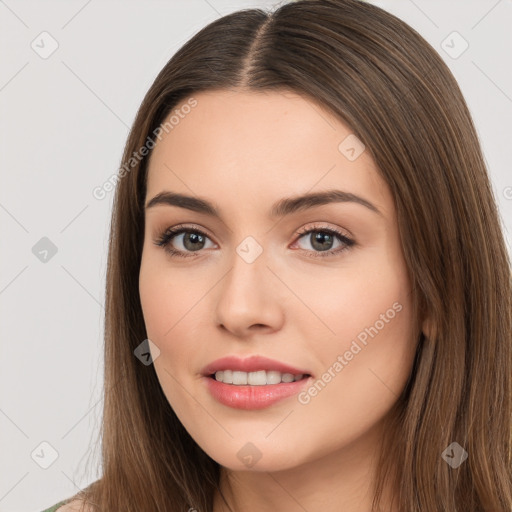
pixel 322 239
pixel 194 240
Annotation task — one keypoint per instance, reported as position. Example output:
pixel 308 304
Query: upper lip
pixel 250 364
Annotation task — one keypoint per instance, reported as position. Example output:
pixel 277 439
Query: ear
pixel 426 327
pixel 425 320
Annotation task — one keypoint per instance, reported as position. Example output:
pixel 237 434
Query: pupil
pixel 194 238
pixel 322 237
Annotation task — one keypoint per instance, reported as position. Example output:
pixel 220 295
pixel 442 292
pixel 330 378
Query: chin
pixel 255 456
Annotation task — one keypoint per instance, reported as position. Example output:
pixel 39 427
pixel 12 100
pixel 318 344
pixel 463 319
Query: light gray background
pixel 64 121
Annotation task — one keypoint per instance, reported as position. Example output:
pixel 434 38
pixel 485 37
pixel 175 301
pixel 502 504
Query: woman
pixel 342 338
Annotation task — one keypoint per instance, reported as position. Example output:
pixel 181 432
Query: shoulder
pixel 68 506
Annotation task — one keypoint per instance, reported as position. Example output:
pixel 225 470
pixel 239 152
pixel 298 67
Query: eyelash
pixel 166 237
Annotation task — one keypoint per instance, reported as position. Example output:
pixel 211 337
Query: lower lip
pixel 253 397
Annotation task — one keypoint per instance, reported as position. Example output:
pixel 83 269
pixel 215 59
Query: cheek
pixel 170 300
pixel 166 301
pixel 368 306
pixel 354 297
pixel 166 295
pixel 362 380
pixel 173 304
pixel 366 362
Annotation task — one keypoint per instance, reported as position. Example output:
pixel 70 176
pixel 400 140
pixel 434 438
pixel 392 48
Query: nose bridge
pixel 249 265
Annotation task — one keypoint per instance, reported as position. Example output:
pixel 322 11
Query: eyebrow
pixel 281 208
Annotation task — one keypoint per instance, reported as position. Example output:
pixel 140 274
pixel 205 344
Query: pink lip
pixel 252 397
pixel 250 364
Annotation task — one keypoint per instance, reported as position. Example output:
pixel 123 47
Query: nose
pixel 248 299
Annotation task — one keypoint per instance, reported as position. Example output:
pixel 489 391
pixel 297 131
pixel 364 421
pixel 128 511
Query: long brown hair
pixel 381 78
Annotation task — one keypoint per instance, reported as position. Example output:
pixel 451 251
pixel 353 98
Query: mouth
pixel 255 382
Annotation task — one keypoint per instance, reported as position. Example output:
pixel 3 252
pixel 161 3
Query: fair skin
pixel 243 152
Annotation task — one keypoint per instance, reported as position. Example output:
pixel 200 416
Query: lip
pixel 252 397
pixel 250 364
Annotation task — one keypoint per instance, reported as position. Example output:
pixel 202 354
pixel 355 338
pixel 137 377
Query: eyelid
pixel 324 226
pixel 179 228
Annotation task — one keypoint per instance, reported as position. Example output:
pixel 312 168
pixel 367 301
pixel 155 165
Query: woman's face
pixel 318 286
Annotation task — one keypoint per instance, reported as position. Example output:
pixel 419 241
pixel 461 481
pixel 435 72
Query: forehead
pixel 251 148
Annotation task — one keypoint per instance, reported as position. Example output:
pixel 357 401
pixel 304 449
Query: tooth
pixel 273 377
pixel 239 377
pixel 257 378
